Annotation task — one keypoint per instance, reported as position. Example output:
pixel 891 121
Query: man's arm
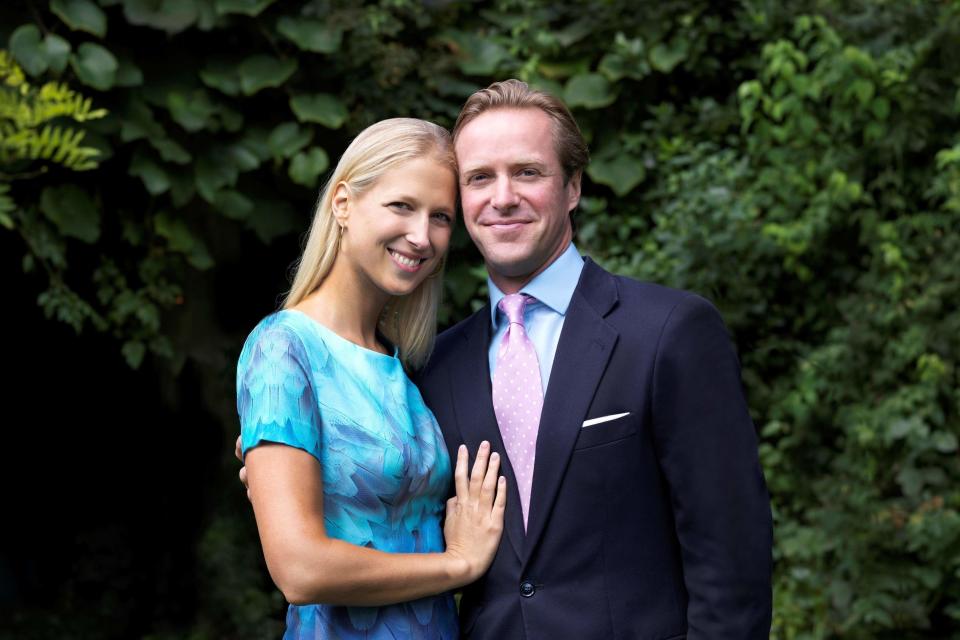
pixel 707 447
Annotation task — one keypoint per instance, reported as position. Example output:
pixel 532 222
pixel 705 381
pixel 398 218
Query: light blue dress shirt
pixel 543 319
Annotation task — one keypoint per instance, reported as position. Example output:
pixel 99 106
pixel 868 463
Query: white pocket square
pixel 593 421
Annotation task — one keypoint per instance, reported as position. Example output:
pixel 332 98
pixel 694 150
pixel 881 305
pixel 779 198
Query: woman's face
pixel 397 232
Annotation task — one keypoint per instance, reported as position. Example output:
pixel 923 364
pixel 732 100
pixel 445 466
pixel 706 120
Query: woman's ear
pixel 341 203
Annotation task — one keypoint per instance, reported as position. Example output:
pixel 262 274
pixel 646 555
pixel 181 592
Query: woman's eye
pixel 401 205
pixel 443 217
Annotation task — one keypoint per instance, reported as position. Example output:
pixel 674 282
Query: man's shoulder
pixel 657 295
pixel 633 294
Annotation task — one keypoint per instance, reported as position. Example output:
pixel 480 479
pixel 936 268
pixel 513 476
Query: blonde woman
pixel 346 467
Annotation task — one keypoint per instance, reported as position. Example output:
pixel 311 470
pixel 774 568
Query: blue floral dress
pixel 386 472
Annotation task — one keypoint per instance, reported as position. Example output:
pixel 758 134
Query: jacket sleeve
pixel 707 447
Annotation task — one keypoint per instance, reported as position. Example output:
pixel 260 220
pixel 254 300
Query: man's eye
pixel 529 173
pixel 477 177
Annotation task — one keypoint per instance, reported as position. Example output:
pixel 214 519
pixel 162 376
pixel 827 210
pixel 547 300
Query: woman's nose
pixel 418 233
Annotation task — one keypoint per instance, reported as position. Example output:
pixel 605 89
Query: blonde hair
pixel 409 321
pixel 568 142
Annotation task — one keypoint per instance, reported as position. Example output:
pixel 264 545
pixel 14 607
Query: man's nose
pixel 504 195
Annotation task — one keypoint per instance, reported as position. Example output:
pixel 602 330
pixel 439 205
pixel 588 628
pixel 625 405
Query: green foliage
pixel 25 112
pixel 81 15
pixel 798 163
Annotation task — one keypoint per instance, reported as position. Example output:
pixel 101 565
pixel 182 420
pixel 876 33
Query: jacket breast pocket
pixel 605 432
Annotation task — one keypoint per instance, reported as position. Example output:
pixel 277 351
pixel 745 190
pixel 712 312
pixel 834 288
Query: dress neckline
pixel 350 344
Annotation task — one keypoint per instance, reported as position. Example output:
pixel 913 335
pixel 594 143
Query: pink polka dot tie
pixel 518 396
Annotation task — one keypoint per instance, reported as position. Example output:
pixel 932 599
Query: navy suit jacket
pixel 655 525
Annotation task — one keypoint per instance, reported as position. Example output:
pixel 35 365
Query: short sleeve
pixel 275 397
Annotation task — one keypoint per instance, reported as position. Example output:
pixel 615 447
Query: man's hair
pixel 514 94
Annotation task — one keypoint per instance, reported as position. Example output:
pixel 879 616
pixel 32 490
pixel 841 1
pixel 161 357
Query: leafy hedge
pixel 800 165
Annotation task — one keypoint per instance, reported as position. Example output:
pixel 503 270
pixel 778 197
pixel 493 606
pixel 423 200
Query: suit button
pixel 527 589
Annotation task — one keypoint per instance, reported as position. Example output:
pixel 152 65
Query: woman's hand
pixel 475 516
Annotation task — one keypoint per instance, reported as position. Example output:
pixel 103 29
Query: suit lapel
pixel 473 405
pixel 583 350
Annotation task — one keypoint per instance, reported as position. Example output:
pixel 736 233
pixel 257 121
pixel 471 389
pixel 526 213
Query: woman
pixel 346 467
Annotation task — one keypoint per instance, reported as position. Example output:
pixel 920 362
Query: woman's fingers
pixel 485 489
pixel 500 502
pixel 490 480
pixel 479 468
pixel 460 473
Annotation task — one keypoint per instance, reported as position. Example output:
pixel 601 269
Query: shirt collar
pixel 552 287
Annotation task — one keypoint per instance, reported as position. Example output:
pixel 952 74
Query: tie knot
pixel 512 306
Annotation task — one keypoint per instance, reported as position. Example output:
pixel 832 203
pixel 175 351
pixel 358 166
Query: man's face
pixel 515 203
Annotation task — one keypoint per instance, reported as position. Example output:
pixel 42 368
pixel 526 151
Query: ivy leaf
pixel 182 188
pixel 319 107
pixel 245 7
pixel 243 157
pixel 171 16
pixel 128 74
pixel 254 142
pixel 310 34
pixel 138 122
pixel 95 66
pixel 273 218
pixel 621 173
pixel 233 204
pixel 614 66
pixel 561 70
pixel 133 352
pixel 81 15
pixel 590 90
pixel 199 257
pixel 56 50
pixel 575 32
pixel 170 150
pixel 476 55
pixel 307 166
pixel 230 119
pixel 945 442
pixel 24 44
pixel 7 206
pixel 154 177
pixel 36 55
pixel 181 239
pixel 175 230
pixel 72 210
pixel 880 108
pixel 287 139
pixel 191 111
pixel 260 71
pixel 664 57
pixel 214 172
pixel 222 76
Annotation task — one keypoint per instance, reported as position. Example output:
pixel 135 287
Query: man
pixel 639 510
pixel 637 507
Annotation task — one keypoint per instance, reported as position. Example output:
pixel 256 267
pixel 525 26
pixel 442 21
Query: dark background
pixel 797 163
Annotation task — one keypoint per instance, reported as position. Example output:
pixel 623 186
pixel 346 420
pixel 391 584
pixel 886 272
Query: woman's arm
pixel 285 485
